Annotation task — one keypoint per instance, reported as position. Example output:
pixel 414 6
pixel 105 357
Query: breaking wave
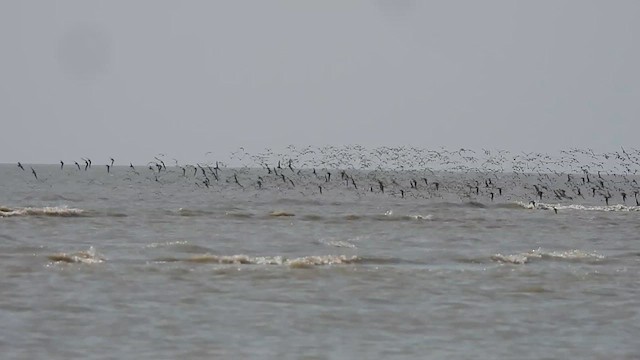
pixel 337 243
pixel 390 216
pixel 62 211
pixel 578 207
pixel 299 262
pixel 83 257
pixel 540 254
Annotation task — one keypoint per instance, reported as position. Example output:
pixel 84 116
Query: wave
pixel 293 262
pixel 238 214
pixel 299 262
pixel 194 212
pixel 455 204
pixel 204 212
pixel 167 244
pixel 281 214
pixel 540 254
pixel 513 205
pixel 618 207
pixel 390 216
pixel 387 216
pixel 180 246
pixel 474 204
pixel 338 243
pixel 62 211
pixel 82 257
pixel 558 207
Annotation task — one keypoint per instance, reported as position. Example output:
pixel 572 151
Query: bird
pixel 20 166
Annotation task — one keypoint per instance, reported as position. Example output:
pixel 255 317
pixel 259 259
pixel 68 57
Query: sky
pixel 133 79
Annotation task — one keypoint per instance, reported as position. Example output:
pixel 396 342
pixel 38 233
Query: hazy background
pixel 131 79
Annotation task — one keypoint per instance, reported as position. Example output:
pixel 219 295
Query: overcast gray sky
pixel 131 79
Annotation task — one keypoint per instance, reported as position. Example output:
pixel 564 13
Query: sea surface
pixel 169 262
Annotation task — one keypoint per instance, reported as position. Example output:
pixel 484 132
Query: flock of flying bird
pixel 574 175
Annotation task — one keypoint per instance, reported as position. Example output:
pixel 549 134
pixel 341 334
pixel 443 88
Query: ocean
pixel 289 262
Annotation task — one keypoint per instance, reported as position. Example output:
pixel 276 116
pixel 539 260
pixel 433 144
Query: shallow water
pixel 160 265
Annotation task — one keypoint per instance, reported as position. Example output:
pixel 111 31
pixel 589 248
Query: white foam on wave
pixel 299 262
pixel 618 207
pixel 309 261
pixel 389 214
pixel 62 211
pixel 166 243
pixel 526 257
pixel 337 243
pixel 511 259
pixel 82 257
pixel 524 205
pixel 578 207
pixel 421 217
